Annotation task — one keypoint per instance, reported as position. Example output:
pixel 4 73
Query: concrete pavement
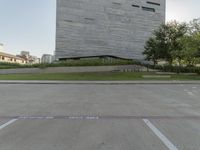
pixel 100 116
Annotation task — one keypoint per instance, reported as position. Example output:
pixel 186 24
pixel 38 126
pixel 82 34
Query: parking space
pixel 184 133
pixel 4 122
pixel 88 117
pixel 79 135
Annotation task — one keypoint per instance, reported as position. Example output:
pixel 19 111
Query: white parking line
pixel 190 93
pixel 7 124
pixel 160 135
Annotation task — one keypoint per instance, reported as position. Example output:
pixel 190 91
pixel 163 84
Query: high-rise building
pixel 116 28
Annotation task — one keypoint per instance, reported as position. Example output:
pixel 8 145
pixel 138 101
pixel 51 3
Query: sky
pixel 29 25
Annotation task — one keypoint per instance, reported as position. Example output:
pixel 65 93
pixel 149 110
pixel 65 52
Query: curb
pixel 98 82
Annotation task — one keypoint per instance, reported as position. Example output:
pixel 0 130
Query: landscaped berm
pixel 118 70
pixel 74 63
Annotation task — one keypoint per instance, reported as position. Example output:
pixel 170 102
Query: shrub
pixel 176 69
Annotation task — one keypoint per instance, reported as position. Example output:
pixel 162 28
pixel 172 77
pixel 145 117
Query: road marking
pixel 7 124
pixel 190 93
pixel 195 117
pixel 161 136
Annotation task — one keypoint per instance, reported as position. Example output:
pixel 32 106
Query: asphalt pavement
pixel 89 116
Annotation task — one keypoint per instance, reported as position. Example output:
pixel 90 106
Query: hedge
pixel 176 69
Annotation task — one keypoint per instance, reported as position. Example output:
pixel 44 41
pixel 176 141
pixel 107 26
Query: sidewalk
pixel 96 82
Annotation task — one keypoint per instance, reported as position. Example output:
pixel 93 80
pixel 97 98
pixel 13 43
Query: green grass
pixel 103 76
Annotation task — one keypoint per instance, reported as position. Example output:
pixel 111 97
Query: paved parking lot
pixel 99 117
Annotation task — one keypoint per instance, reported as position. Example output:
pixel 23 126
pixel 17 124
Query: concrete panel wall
pixel 106 27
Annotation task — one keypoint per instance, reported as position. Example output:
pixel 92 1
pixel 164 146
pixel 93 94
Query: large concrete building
pixel 119 28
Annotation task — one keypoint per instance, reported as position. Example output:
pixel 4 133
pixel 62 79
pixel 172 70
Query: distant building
pixel 25 53
pixel 34 60
pixel 47 58
pixel 29 58
pixel 9 58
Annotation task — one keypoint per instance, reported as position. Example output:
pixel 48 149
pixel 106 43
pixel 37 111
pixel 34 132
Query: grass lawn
pixel 96 76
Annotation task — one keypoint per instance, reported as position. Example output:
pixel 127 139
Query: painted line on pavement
pixel 190 93
pixel 7 123
pixel 96 117
pixel 161 136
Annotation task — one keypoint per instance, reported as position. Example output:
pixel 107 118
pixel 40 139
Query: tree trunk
pixel 170 62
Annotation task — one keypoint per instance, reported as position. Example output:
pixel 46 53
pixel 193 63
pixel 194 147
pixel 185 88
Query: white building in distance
pixel 9 58
pixel 30 59
pixel 47 58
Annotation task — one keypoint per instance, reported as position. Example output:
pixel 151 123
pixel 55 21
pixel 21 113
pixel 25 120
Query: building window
pixel 136 6
pixel 3 58
pixel 148 9
pixel 152 3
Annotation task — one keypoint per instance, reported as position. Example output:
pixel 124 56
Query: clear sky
pixel 30 24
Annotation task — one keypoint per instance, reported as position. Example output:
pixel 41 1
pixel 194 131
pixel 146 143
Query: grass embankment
pixel 70 63
pixel 103 76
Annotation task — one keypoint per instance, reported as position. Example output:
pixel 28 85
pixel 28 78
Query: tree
pixel 191 43
pixel 151 51
pixel 194 27
pixel 175 41
pixel 167 42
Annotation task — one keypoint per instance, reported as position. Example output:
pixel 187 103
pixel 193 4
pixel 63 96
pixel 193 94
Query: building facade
pixel 30 59
pixel 47 58
pixel 118 28
pixel 9 58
